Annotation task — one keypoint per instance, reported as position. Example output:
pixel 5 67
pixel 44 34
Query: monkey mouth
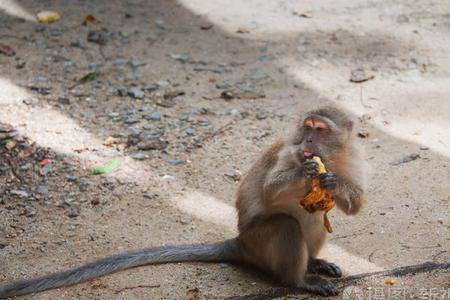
pixel 307 154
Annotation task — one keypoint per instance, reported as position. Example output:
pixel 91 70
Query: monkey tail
pixel 226 251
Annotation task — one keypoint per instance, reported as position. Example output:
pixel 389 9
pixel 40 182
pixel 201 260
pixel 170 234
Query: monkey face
pixel 319 137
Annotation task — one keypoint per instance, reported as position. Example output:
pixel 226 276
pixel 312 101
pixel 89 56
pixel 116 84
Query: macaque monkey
pixel 275 233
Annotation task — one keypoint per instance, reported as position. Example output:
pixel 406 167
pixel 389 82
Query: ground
pixel 184 95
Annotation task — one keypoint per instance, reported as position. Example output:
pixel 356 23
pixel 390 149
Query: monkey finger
pixel 328 181
pixel 311 168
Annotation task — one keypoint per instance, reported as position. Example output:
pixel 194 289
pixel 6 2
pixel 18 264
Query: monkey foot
pixel 320 266
pixel 319 286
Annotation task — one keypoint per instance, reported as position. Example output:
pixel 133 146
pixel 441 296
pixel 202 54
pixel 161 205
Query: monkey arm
pixel 276 182
pixel 285 173
pixel 349 196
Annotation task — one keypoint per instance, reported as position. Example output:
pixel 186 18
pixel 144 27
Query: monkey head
pixel 324 132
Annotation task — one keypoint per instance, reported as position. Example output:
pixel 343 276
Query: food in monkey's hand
pixel 319 198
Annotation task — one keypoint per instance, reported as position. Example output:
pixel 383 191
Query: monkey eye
pixel 320 129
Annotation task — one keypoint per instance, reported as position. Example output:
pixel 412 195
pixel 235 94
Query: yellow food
pixel 389 282
pixel 48 16
pixel 319 198
pixel 321 165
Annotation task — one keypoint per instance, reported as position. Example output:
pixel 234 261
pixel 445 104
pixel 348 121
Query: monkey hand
pixel 328 181
pixel 310 168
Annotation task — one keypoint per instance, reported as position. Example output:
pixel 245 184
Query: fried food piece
pixel 319 198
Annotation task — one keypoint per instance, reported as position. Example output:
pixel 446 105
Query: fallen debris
pixel 242 31
pixel 136 287
pixel 173 94
pixel 389 282
pixel 363 133
pixel 47 16
pixel 97 36
pixel 89 19
pixel 360 75
pixel 182 58
pixel 6 50
pixel 86 78
pixel 109 167
pixel 111 141
pixel 406 159
pixel 235 175
pixel 303 14
pixel 227 95
pixel 206 26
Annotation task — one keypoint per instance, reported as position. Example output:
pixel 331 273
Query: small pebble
pixel 156 116
pixel 73 212
pixel 136 92
pixel 150 195
pixel 233 174
pixel 168 178
pixel 20 193
pixel 135 63
pixel 42 189
pixel 139 155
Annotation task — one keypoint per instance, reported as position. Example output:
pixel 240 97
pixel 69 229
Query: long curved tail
pixel 226 251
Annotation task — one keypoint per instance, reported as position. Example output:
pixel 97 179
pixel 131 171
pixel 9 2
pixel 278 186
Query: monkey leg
pixel 316 238
pixel 277 245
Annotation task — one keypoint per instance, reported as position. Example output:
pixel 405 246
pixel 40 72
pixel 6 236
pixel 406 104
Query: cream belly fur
pixel 311 224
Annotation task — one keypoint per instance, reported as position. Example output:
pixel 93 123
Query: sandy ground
pixel 254 49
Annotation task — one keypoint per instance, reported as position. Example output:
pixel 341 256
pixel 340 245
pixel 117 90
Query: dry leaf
pixel 111 141
pixel 389 282
pixel 303 14
pixel 242 30
pixel 10 145
pixel 363 133
pixel 206 26
pixel 89 19
pixel 6 50
pixel 80 148
pixel 48 16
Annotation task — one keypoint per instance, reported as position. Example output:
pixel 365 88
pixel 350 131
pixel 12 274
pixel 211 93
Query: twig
pixel 136 287
pixel 343 282
pixel 220 130
pixel 14 171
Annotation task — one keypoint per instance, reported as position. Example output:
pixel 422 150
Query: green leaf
pixel 88 77
pixel 109 167
pixel 5 142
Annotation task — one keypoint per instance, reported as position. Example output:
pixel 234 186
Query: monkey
pixel 275 234
pixel 278 235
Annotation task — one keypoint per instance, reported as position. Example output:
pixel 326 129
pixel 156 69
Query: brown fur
pixel 275 232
